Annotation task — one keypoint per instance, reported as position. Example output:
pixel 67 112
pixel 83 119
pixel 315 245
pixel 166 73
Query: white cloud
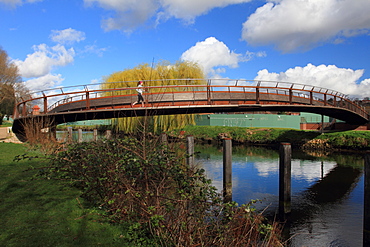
pixel 14 3
pixel 129 14
pixel 212 53
pixel 44 82
pixel 93 49
pixel 44 59
pixel 326 76
pixel 292 24
pixel 67 36
pixel 188 10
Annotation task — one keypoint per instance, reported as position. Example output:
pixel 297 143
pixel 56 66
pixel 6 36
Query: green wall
pixel 313 118
pixel 250 120
pixel 91 122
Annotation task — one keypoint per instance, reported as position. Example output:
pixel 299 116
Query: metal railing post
pixel 87 100
pixel 258 92
pixel 45 105
pixel 208 92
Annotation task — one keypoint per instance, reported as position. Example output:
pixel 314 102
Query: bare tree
pixel 10 80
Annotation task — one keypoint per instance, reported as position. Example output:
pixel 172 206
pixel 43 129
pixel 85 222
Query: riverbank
pixel 41 212
pixel 309 140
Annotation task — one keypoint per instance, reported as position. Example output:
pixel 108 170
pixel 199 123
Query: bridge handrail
pixel 211 85
pixel 82 94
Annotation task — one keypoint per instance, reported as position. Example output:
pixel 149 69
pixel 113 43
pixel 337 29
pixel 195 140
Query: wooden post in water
pixel 227 170
pixel 190 150
pixel 79 135
pixel 164 142
pixel 108 134
pixel 95 135
pixel 69 138
pixel 322 124
pixel 366 230
pixel 53 132
pixel 285 180
pixel 164 138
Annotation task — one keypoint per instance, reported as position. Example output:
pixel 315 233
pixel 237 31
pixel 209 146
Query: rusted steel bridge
pixel 183 96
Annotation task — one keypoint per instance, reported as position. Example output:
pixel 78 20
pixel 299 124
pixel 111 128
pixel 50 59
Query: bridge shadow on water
pixel 333 188
pixel 318 209
pixel 322 212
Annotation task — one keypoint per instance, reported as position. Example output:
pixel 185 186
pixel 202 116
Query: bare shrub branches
pixel 160 194
pixel 39 134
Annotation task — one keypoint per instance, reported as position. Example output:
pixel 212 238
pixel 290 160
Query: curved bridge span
pixel 183 96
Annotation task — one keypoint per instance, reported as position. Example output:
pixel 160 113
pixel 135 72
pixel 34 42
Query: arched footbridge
pixel 182 96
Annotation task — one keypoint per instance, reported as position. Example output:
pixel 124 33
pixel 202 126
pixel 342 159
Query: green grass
pixel 39 212
pixel 346 139
pixel 249 135
pixel 6 124
pixel 351 140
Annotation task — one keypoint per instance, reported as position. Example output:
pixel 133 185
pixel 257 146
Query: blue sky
pixel 73 42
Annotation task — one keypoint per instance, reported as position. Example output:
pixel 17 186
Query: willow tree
pixel 158 75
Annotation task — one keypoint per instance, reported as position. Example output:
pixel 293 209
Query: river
pixel 327 191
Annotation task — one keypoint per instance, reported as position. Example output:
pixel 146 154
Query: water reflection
pixel 327 192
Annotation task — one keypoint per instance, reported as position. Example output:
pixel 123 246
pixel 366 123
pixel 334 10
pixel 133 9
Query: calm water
pixel 327 192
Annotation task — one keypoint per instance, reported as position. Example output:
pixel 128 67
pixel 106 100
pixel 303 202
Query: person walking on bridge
pixel 140 98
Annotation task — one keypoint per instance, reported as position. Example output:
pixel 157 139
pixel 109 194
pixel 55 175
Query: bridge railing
pixel 52 98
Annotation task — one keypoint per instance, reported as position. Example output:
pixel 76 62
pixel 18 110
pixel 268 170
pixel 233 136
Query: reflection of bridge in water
pixel 86 102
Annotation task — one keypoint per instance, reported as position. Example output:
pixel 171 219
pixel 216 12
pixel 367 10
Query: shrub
pixel 348 139
pixel 148 185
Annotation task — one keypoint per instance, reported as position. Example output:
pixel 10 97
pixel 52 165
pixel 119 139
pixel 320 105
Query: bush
pixel 347 139
pixel 149 186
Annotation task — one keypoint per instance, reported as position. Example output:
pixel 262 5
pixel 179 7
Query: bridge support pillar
pixel 95 135
pixel 69 137
pixel 227 170
pixel 285 181
pixel 366 230
pixel 164 138
pixel 108 134
pixel 79 135
pixel 322 124
pixel 53 132
pixel 190 150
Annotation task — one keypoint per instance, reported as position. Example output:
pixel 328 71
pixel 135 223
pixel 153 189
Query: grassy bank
pixel 349 140
pixel 156 199
pixel 39 212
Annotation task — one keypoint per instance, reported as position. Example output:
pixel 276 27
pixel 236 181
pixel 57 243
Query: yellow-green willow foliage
pixel 158 75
